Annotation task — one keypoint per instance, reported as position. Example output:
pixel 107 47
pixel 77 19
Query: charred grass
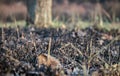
pixel 81 52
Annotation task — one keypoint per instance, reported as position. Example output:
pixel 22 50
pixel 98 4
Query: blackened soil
pixel 19 48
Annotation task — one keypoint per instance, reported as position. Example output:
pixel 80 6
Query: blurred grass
pixel 13 24
pixel 83 24
pixel 80 24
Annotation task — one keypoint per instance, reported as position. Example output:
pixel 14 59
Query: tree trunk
pixel 31 7
pixel 43 13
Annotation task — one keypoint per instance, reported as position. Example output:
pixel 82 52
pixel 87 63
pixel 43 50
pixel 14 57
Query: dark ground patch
pixel 20 47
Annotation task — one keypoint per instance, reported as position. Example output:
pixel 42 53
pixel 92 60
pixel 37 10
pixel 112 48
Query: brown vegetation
pixel 49 61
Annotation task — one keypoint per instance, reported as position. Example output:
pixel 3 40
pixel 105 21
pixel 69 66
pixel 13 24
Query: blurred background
pixel 88 9
pixel 70 12
pixel 96 11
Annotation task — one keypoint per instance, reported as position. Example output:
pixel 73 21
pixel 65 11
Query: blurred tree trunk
pixel 43 13
pixel 31 8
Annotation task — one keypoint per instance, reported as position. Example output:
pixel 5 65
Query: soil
pixel 92 47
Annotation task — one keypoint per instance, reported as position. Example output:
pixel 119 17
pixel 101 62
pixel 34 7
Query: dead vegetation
pixel 85 52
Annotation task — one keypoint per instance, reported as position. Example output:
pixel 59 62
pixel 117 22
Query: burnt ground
pixel 75 48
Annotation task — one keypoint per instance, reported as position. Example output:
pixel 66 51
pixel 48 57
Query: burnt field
pixel 89 51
